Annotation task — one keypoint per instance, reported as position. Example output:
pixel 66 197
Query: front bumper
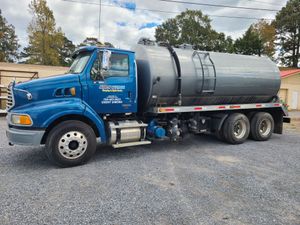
pixel 24 137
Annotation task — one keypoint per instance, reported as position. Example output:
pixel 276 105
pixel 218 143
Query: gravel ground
pixel 197 181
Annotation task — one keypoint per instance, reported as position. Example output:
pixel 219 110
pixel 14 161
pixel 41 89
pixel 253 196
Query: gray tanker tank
pixel 202 78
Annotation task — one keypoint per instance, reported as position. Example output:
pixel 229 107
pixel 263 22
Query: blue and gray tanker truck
pixel 127 98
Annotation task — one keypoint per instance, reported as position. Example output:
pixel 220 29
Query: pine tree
pixel 259 40
pixel 47 45
pixel 250 44
pixel 287 24
pixel 8 41
pixel 65 51
pixel 267 33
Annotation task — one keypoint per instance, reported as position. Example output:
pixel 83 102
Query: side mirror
pixel 106 60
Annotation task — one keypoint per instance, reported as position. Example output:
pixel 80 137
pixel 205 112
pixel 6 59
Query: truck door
pixel 113 90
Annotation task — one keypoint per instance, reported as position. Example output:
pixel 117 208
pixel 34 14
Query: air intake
pixel 10 102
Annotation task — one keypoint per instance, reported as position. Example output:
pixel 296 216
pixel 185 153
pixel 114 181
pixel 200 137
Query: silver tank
pixel 207 78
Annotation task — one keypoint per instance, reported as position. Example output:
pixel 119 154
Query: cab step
pixel 130 144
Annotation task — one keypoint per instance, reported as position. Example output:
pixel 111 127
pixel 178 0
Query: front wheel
pixel 71 143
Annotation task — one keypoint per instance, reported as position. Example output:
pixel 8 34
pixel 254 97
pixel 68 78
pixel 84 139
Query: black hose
pixel 177 63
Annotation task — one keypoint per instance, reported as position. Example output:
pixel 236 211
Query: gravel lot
pixel 197 181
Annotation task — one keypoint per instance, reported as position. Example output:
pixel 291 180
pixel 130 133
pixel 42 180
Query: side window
pixel 119 67
pixel 96 69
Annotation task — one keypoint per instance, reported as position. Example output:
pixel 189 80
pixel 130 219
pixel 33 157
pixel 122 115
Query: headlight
pixel 19 119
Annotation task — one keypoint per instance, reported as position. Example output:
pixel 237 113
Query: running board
pixel 130 144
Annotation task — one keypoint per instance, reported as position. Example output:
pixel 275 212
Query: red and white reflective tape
pixel 181 109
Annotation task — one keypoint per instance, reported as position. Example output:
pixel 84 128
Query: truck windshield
pixel 80 62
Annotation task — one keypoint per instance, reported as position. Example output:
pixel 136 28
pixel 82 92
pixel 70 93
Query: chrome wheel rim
pixel 72 145
pixel 265 127
pixel 239 129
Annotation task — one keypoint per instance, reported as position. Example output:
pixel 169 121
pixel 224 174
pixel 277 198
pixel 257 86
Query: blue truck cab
pixel 101 82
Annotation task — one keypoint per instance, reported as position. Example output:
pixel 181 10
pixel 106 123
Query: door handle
pixel 129 94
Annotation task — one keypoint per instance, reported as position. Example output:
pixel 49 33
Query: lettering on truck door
pixel 112 90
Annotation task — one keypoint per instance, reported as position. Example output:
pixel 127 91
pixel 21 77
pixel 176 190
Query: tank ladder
pixel 207 86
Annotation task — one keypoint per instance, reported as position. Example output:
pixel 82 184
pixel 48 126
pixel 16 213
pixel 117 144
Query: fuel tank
pixel 204 78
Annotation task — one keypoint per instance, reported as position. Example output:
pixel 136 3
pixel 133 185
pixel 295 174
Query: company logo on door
pixel 112 99
pixel 112 88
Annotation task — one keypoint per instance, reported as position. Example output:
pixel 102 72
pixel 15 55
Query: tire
pixel 70 143
pixel 236 128
pixel 262 126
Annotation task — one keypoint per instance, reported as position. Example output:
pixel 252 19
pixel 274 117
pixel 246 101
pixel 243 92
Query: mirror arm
pixel 106 59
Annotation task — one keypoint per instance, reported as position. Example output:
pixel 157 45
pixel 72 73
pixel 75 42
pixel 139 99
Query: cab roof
pixel 92 48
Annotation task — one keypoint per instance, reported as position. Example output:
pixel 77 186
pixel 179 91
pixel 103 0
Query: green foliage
pixel 193 27
pixel 47 45
pixel 258 40
pixel 222 43
pixel 108 44
pixel 92 41
pixel 65 51
pixel 287 24
pixel 250 43
pixel 8 41
pixel 267 34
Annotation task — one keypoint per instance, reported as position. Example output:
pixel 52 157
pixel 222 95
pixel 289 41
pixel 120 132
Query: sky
pixel 123 22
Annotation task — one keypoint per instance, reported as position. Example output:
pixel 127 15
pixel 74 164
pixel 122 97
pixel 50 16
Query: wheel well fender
pixel 277 115
pixel 78 117
pixel 98 121
pixel 218 121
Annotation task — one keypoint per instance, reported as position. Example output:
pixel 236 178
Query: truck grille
pixel 10 102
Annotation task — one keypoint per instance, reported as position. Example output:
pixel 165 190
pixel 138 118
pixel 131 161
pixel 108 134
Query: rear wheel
pixel 262 126
pixel 71 143
pixel 236 128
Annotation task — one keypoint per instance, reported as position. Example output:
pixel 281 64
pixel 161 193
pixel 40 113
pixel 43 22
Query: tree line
pixel 279 39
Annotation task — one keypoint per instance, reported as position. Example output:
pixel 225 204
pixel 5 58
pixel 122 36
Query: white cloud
pixel 81 20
